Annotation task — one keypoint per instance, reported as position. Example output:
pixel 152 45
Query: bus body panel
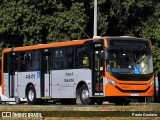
pixel 64 82
pixel 28 77
pixel 47 85
pixel 111 91
pixel 128 88
pixel 10 83
pixel 14 85
pixel 6 85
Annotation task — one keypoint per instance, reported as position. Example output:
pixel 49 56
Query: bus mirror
pixel 105 56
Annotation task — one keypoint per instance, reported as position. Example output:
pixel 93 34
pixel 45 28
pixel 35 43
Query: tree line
pixel 30 22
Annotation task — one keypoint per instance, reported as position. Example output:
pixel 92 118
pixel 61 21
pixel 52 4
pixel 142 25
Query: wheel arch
pixel 79 85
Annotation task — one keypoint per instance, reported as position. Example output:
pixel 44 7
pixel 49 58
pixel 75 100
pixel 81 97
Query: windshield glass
pixel 130 61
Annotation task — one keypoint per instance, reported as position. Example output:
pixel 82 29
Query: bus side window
pixel 6 63
pixel 29 61
pixel 16 63
pixel 69 63
pixel 78 57
pixel 35 60
pixel 59 59
pixel 23 66
pixel 13 64
pixel 85 60
pixel 25 61
pixel 82 56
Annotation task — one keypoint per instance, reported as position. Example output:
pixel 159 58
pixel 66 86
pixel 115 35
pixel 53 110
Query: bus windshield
pixel 128 61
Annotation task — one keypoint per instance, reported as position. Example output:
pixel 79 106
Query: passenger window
pixel 82 56
pixel 59 59
pixel 69 57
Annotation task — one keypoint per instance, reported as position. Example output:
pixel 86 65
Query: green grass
pixel 61 108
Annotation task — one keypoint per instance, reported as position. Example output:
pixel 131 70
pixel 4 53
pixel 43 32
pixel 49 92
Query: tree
pixel 68 24
pixel 28 22
pixel 138 18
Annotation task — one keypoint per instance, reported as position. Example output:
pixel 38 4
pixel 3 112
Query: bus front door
pixel 45 75
pixel 97 74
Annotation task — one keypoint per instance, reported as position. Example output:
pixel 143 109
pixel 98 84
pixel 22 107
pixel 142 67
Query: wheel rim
pixel 31 95
pixel 85 95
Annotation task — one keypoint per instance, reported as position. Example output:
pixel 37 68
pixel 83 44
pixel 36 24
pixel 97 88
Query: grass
pixel 61 109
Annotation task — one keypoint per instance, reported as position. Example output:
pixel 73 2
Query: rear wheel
pixel 84 96
pixel 31 95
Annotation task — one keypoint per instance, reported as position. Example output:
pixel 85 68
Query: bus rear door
pixel 45 75
pixel 13 74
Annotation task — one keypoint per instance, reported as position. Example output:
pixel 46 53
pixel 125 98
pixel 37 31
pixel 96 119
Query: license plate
pixel 134 94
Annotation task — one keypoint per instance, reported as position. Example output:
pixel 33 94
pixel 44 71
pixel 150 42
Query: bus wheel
pixel 84 96
pixel 31 95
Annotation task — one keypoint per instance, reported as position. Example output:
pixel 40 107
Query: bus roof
pixel 50 45
pixel 124 37
pixel 66 43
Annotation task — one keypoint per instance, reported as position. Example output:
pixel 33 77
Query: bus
pixel 90 71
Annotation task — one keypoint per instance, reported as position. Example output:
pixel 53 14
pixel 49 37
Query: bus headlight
pixel 111 82
pixel 151 83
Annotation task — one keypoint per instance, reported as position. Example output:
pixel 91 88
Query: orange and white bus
pixel 94 70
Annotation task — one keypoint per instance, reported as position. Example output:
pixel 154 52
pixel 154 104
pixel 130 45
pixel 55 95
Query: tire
pixel 17 100
pixel 31 95
pixel 156 89
pixel 84 96
pixel 78 100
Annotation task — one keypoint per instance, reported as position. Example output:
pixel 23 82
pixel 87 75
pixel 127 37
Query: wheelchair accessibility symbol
pixel 137 70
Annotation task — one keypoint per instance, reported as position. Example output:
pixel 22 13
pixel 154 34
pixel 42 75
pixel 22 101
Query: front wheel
pixel 84 96
pixel 31 95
